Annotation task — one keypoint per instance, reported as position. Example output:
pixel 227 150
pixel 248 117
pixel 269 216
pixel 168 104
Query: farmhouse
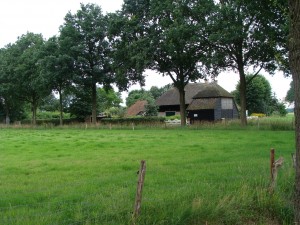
pixel 137 109
pixel 204 102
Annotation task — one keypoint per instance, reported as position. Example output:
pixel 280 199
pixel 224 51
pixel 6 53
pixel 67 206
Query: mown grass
pixel 89 176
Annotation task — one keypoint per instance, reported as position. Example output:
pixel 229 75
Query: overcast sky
pixel 45 16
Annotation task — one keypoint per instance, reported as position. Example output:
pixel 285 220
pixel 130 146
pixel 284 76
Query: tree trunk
pixel 182 106
pixel 34 109
pixel 94 104
pixel 60 108
pixel 242 93
pixel 294 60
pixel 7 119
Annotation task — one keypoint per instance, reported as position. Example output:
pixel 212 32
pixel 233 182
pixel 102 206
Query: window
pixel 227 103
pixel 170 113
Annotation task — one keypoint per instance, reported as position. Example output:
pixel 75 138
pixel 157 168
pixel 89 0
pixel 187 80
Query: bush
pixel 135 120
pixel 258 114
pixel 54 122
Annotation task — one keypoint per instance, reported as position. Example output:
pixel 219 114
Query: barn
pixel 204 102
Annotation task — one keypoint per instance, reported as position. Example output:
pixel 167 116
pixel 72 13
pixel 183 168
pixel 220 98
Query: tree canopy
pixel 290 95
pixel 259 96
pixel 83 37
pixel 170 38
pixel 23 71
pixel 247 35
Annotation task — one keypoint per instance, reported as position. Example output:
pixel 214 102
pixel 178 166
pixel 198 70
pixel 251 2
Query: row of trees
pixel 73 64
pixel 186 40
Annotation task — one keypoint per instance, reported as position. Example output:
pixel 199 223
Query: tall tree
pixel 25 71
pixel 57 66
pixel 10 103
pixel 294 59
pixel 169 37
pixel 249 34
pixel 84 38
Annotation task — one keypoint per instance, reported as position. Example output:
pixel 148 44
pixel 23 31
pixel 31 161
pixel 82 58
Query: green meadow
pixel 193 176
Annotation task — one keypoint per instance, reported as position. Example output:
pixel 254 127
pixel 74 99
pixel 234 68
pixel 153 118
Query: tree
pixel 258 94
pixel 294 57
pixel 135 95
pixel 50 103
pixel 168 37
pixel 290 95
pixel 249 34
pixel 151 109
pixel 108 99
pixel 157 92
pixel 58 68
pixel 10 104
pixel 80 105
pixel 84 38
pixel 25 71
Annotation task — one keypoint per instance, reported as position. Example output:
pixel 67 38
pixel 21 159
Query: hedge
pixel 135 120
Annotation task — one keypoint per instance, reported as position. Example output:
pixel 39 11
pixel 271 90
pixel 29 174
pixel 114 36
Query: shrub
pixel 135 120
pixel 258 114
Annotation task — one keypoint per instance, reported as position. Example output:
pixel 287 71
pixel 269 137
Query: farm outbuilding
pixel 204 102
pixel 137 109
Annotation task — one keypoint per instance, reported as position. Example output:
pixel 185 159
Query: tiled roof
pixel 137 108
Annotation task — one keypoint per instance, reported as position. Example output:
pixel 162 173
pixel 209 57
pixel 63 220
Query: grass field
pixel 77 176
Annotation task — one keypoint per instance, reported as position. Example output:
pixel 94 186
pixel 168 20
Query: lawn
pixel 89 176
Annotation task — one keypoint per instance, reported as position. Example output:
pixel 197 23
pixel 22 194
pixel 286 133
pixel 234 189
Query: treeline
pixel 185 40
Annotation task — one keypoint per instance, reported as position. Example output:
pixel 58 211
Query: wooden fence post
pixel 140 184
pixel 272 160
pixel 275 165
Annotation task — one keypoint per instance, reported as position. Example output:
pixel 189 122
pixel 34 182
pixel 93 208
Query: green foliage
pixel 168 37
pixel 21 71
pixel 80 104
pixel 135 120
pixel 89 48
pixel 57 66
pixel 216 181
pixel 249 33
pixel 11 108
pixel 108 99
pixel 290 95
pixel 157 92
pixel 135 95
pixel 150 96
pixel 49 103
pixel 259 96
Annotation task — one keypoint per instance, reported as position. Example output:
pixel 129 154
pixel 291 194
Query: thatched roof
pixel 203 103
pixel 213 90
pixel 137 108
pixel 192 91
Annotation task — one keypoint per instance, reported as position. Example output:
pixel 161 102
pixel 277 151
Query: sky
pixel 17 17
